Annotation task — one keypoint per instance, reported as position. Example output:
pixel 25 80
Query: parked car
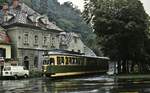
pixel 15 71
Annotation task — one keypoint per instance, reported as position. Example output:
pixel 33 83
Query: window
pixel 36 61
pixel 45 40
pixel 53 39
pixel 60 60
pixel 52 46
pixel 67 60
pixel 52 42
pixel 52 61
pixel 7 68
pixel 19 37
pixel 36 39
pixel 26 37
pixel 5 18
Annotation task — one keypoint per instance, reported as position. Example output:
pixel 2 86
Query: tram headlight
pixel 44 70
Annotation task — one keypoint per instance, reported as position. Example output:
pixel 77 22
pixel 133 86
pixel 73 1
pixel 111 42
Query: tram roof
pixel 72 53
pixel 62 52
pixel 107 58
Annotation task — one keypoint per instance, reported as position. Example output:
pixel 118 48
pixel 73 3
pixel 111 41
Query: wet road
pixel 97 84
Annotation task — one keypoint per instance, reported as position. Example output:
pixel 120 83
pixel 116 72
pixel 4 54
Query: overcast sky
pixel 79 3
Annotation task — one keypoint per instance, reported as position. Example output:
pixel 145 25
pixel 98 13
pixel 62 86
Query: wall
pixel 31 50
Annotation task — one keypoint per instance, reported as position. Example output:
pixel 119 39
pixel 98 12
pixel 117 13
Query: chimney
pixel 15 3
pixel 5 8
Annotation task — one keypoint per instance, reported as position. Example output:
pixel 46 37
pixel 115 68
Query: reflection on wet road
pixel 95 84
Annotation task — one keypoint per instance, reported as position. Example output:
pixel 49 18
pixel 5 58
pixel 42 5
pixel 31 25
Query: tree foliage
pixel 2 1
pixel 122 27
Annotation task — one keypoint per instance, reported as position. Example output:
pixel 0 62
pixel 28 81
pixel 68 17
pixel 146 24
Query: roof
pixel 62 52
pixel 26 15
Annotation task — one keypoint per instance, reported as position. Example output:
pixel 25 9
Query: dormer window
pixel 8 18
pixel 5 18
pixel 43 20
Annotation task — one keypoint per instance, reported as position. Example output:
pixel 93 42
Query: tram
pixel 67 63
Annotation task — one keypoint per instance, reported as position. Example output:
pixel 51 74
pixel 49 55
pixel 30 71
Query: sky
pixel 79 3
pixel 146 4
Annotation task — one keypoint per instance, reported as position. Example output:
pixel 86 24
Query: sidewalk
pixel 138 77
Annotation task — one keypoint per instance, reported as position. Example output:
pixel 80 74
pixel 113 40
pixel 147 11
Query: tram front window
pixel 45 62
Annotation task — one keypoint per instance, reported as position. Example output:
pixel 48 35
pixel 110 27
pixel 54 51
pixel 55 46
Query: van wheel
pixel 25 76
pixel 15 77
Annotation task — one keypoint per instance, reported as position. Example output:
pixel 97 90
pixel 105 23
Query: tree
pixel 2 1
pixel 122 27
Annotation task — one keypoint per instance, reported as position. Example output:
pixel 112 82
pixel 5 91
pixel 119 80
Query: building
pixel 5 44
pixel 32 34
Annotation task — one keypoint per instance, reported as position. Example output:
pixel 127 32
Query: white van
pixel 15 71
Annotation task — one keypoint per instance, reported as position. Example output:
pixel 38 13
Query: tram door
pixel 2 52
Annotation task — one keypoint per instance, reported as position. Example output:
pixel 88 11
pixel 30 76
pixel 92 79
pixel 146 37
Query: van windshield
pixel 7 68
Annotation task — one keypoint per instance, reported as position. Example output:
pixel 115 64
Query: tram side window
pixel 60 60
pixel 52 61
pixel 76 61
pixel 79 60
pixel 90 61
pixel 67 60
pixel 73 61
